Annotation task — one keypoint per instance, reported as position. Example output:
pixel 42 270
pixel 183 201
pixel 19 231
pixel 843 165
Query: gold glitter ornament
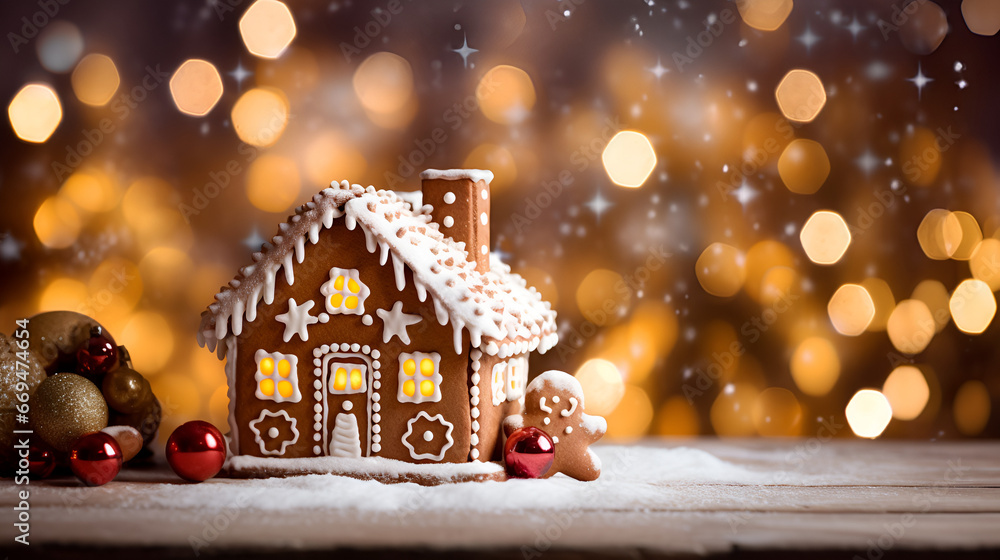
pixel 55 336
pixel 66 406
pixel 126 390
pixel 30 374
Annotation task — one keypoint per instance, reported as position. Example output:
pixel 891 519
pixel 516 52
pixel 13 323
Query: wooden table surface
pixel 703 497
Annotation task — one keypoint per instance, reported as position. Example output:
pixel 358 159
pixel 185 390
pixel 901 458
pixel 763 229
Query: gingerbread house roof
pixel 503 315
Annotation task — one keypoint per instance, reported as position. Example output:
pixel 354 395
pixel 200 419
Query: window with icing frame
pixel 419 377
pixel 276 377
pixel 347 378
pixel 517 378
pixel 344 293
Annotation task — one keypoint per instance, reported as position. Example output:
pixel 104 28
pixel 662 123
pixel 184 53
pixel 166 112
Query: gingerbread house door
pixel 346 408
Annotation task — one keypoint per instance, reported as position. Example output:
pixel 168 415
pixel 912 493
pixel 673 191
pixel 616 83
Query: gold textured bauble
pixel 55 337
pixel 30 371
pixel 126 390
pixel 66 406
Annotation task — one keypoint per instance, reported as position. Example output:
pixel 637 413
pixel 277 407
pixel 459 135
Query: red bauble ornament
pixel 196 451
pixel 528 453
pixel 97 356
pixel 41 462
pixel 96 459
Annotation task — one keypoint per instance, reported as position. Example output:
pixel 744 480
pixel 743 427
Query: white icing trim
pixel 449 197
pixel 572 407
pixel 346 438
pixel 234 430
pixel 419 377
pixel 484 219
pixel 394 322
pixel 260 441
pixel 448 221
pixel 328 352
pixel 275 377
pixel 476 364
pixel 475 175
pixel 449 441
pixel 543 407
pixel 497 383
pixel 297 320
pixel 328 289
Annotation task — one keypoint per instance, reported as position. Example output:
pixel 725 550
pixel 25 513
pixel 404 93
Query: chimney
pixel 461 202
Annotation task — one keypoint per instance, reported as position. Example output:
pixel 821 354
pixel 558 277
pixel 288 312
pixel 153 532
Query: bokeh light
pixel 800 96
pixel 260 116
pixel 95 79
pixel 885 302
pixel 599 298
pixel 825 237
pixel 497 159
pixel 851 309
pixel 331 156
pixel 971 409
pixel 972 306
pixel 721 269
pixel 633 415
pixel 920 157
pixel 677 417
pixel 868 413
pixel 34 112
pixel 57 223
pixel 971 236
pixel 981 16
pixel 907 392
pixel 267 28
pixel 764 257
pixel 629 159
pixel 92 190
pixel 939 234
pixel 196 87
pixel 732 410
pixel 273 183
pixel 935 296
pixel 911 326
pixel 505 94
pixel 603 387
pixel 63 293
pixel 984 262
pixel 383 83
pixel 776 412
pixel 765 15
pixel 815 366
pixel 803 166
pixel 925 26
pixel 150 341
pixel 59 46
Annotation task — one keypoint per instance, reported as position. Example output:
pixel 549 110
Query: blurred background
pixel 754 218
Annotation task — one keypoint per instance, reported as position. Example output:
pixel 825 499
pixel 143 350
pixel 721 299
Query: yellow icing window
pixel 344 292
pixel 517 378
pixel 276 378
pixel 347 378
pixel 419 377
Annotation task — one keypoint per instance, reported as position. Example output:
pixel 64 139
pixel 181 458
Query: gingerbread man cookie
pixel 554 404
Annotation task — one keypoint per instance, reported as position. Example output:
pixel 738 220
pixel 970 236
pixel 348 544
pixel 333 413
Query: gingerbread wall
pixel 339 247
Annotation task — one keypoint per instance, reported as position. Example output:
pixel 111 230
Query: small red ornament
pixel 96 459
pixel 528 453
pixel 97 356
pixel 196 451
pixel 41 462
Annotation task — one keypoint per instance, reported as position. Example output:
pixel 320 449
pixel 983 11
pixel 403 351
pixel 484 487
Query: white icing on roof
pixel 502 314
pixel 453 174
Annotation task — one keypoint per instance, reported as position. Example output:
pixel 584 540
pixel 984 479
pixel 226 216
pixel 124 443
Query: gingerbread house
pixel 378 324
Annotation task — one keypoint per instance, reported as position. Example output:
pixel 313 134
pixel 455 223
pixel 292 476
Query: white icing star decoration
pixel 395 322
pixel 297 320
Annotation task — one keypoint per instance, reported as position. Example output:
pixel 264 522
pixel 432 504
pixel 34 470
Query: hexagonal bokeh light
pixel 34 113
pixel 629 159
pixel 851 309
pixel 267 28
pixel 196 87
pixel 800 96
pixel 825 237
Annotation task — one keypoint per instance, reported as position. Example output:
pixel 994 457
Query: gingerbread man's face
pixel 556 412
